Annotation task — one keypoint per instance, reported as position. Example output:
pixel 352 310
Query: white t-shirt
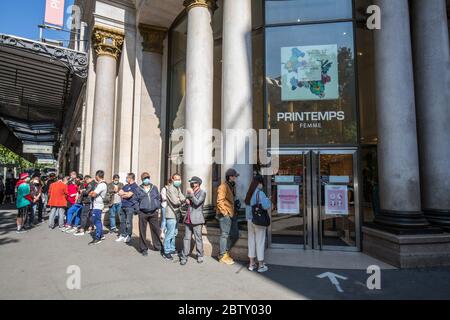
pixel 100 191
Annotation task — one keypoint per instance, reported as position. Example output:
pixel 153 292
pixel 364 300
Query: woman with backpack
pixel 256 200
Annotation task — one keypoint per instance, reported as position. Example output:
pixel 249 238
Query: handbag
pixel 260 215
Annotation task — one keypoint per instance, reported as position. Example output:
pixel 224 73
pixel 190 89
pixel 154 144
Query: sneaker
pixel 71 230
pixel 121 238
pixel 103 238
pixel 79 233
pixel 263 268
pixel 183 262
pixel 127 239
pixel 167 256
pixel 226 259
pixel 199 259
pixel 144 253
pixel 62 229
pixel 21 231
pixel 95 241
pixel 253 267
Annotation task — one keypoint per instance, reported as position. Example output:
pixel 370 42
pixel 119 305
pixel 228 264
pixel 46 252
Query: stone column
pixel 150 142
pixel 237 89
pixel 398 159
pixel 432 80
pixel 199 92
pixel 108 44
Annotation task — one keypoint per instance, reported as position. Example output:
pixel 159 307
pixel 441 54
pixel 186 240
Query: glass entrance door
pixel 315 200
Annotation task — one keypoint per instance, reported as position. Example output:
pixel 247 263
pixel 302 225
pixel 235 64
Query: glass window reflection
pixel 297 11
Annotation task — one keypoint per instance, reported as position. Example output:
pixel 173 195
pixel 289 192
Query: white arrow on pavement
pixel 333 278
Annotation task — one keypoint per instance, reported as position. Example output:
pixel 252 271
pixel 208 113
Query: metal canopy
pixel 38 85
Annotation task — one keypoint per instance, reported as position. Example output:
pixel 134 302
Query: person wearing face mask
pixel 149 203
pixel 174 199
pixel 256 234
pixel 74 212
pixel 98 197
pixel 227 216
pixel 86 187
pixel 23 201
pixel 115 201
pixel 194 220
pixel 36 204
pixel 129 207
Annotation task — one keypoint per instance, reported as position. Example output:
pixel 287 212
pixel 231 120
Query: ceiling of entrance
pixel 157 12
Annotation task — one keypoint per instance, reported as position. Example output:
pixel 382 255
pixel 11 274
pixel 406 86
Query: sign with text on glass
pixel 336 200
pixel 288 199
pixel 309 73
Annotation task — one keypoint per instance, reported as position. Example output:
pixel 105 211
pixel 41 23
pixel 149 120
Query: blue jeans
pixel 33 208
pixel 169 240
pixel 126 221
pixel 74 214
pixel 163 220
pixel 229 232
pixel 97 221
pixel 113 211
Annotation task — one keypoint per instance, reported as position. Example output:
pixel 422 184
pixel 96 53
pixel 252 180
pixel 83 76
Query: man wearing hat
pixel 227 215
pixel 194 220
pixel 23 201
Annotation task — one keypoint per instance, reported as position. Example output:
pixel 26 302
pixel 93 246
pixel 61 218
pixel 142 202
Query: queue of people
pixel 77 203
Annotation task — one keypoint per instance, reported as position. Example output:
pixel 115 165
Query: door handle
pixel 305 215
pixel 319 201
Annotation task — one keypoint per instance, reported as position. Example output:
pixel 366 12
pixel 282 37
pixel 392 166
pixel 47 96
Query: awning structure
pixel 39 84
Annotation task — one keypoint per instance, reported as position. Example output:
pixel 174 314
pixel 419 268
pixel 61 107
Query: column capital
pixel 153 37
pixel 108 41
pixel 210 4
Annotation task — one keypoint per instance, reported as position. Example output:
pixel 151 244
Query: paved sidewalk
pixel 33 266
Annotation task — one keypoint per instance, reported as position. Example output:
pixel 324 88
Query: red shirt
pixel 72 189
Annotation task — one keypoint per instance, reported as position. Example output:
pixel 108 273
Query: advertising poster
pixel 309 73
pixel 288 199
pixel 336 200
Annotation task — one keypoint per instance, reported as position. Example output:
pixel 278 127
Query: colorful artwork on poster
pixel 309 73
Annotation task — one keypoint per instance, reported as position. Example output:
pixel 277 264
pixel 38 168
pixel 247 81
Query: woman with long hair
pixel 256 233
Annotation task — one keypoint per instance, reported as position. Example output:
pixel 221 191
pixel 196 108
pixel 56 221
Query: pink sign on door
pixel 288 199
pixel 336 200
pixel 54 12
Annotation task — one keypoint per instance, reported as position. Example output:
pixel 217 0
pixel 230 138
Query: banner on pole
pixel 54 12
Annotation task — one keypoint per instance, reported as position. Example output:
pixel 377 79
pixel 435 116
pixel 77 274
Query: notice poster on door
pixel 336 200
pixel 288 199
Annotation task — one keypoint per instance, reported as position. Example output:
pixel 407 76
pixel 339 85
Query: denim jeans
pixel 34 208
pixel 126 221
pixel 229 233
pixel 97 221
pixel 113 212
pixel 163 220
pixel 169 240
pixel 73 215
